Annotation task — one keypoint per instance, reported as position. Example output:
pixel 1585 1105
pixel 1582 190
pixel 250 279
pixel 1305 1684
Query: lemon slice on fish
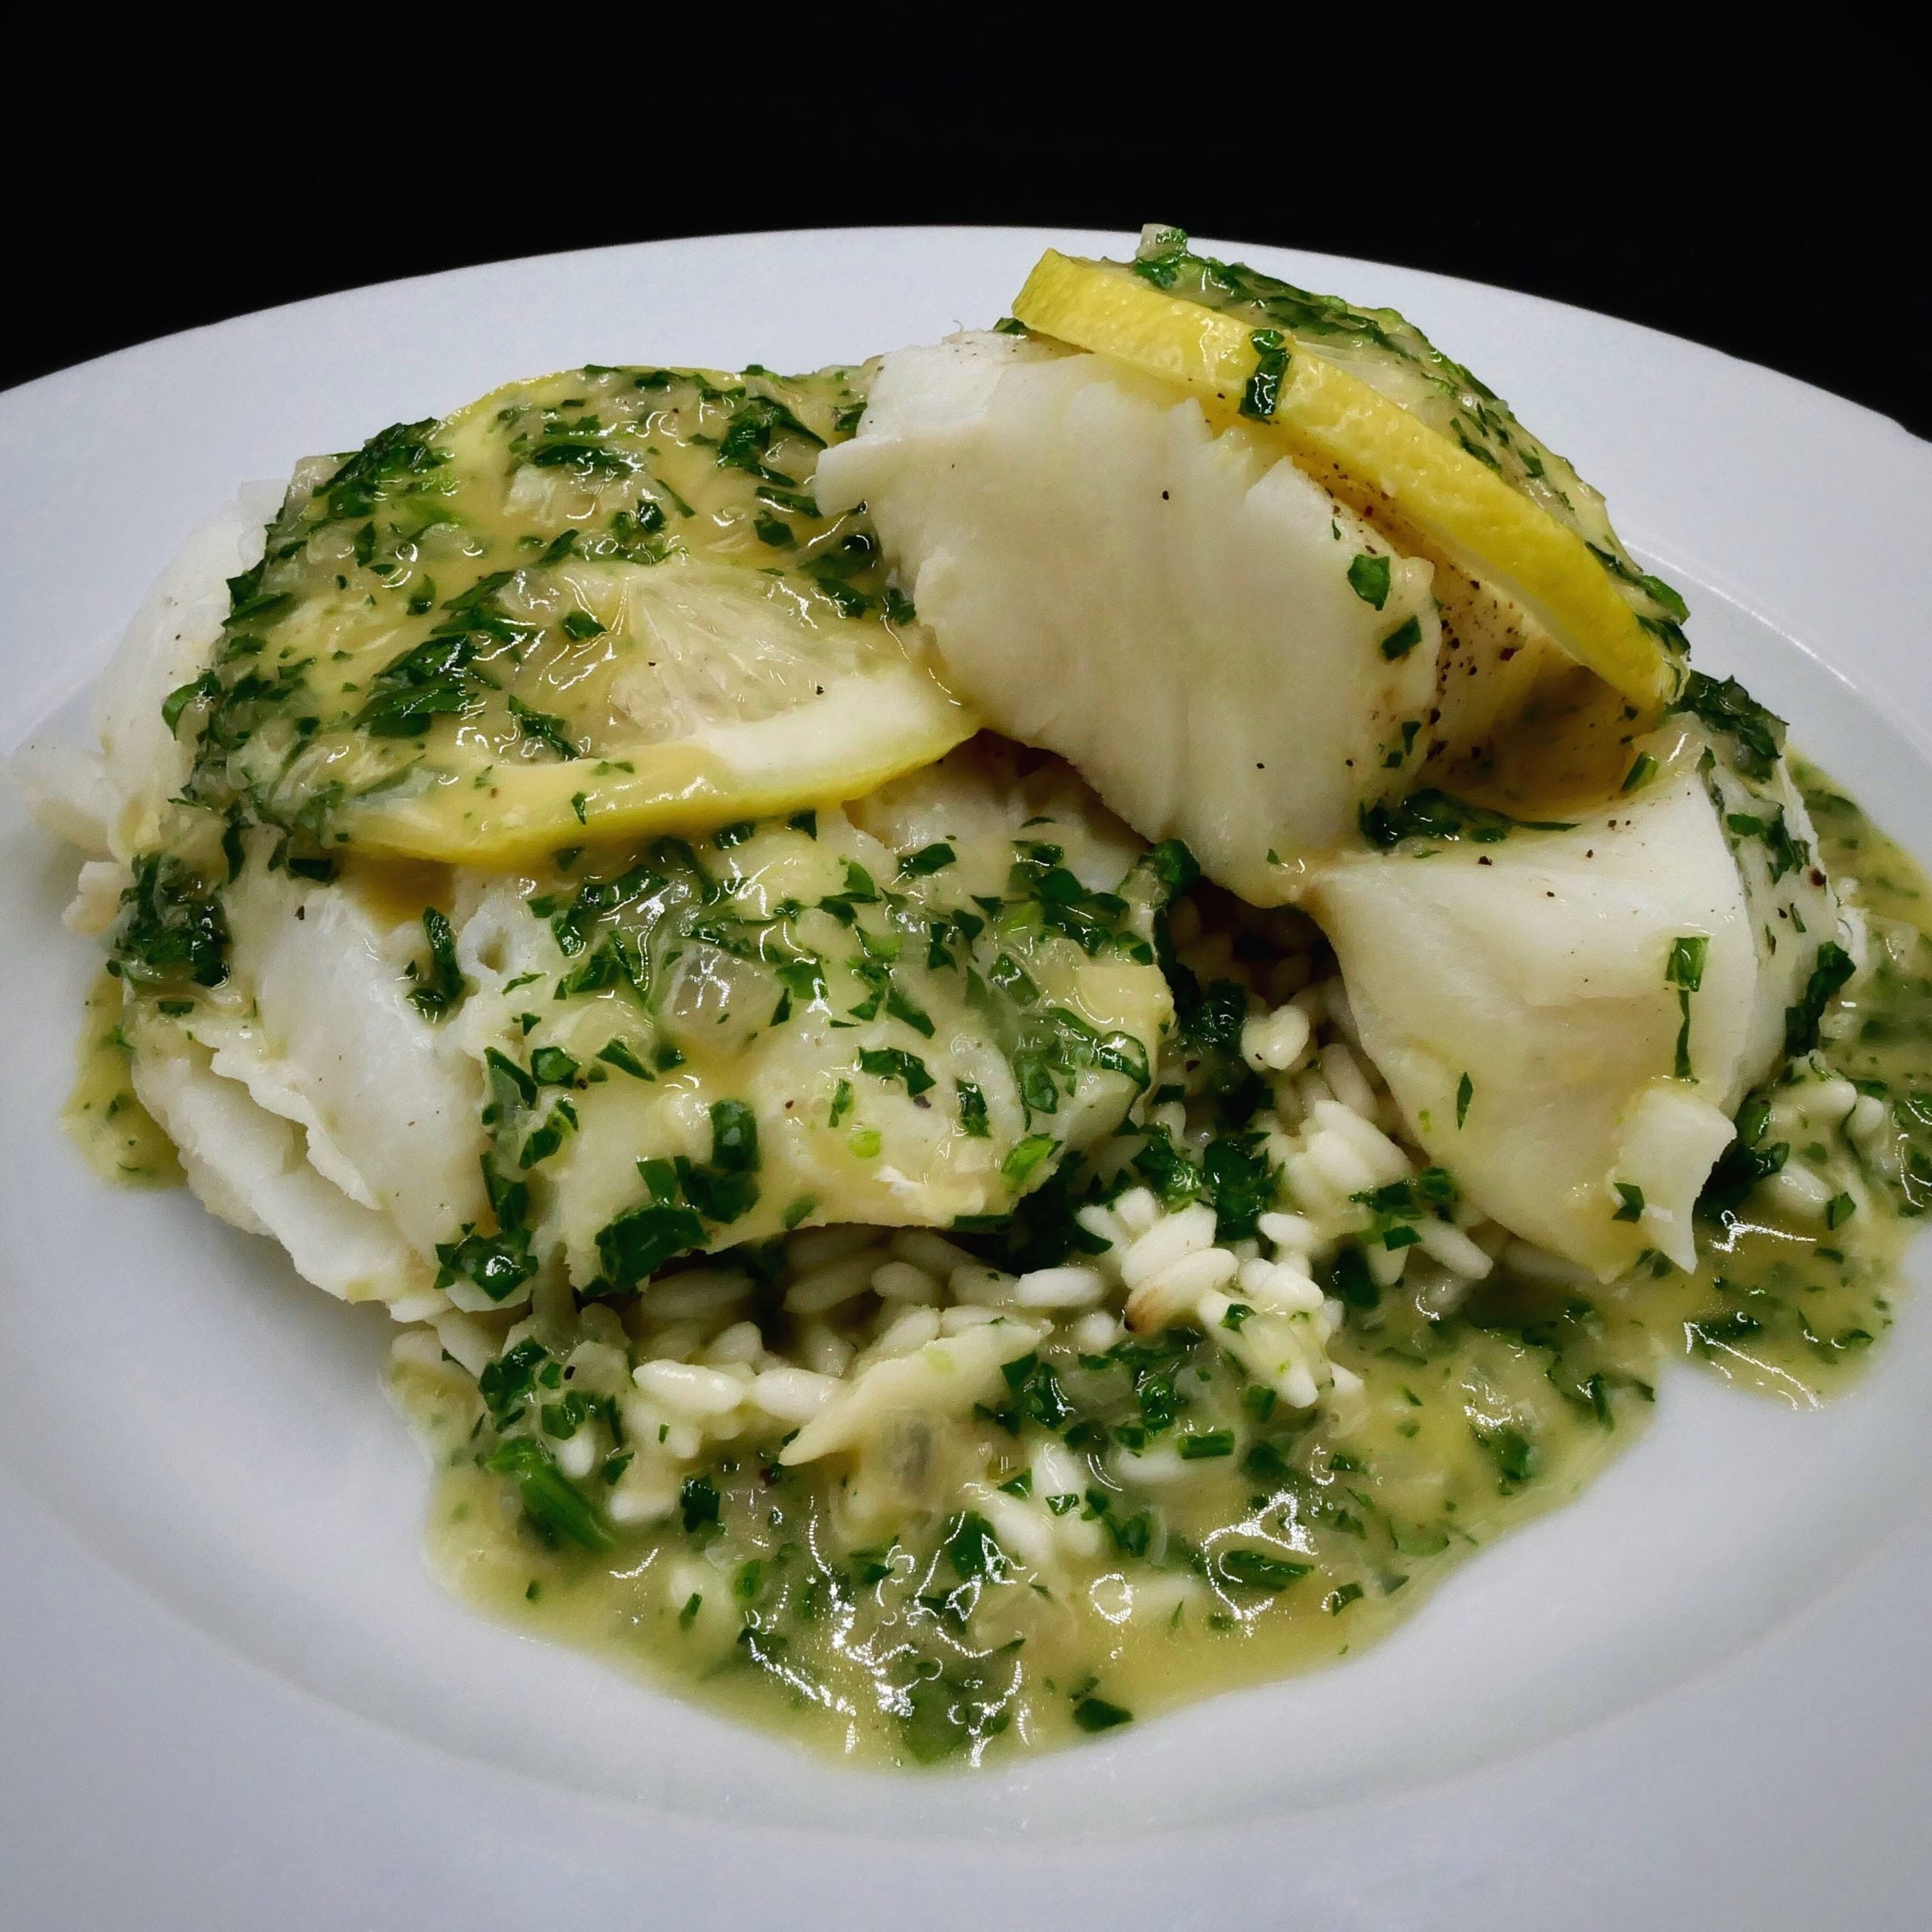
pixel 601 604
pixel 1597 607
pixel 722 697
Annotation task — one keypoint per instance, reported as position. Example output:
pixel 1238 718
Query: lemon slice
pixel 1594 603
pixel 602 604
pixel 722 697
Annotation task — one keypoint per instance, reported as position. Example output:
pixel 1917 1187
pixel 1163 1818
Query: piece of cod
pixel 1206 634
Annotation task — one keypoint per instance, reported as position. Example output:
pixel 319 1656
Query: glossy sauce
pixel 117 1134
pixel 1295 1545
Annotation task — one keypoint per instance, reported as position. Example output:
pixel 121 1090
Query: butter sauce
pixel 1270 1543
pixel 116 1134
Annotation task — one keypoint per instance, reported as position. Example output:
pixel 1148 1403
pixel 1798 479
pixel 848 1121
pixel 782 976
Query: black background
pixel 1786 249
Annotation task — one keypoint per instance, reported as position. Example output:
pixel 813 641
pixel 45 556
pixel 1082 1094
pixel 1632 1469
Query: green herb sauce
pixel 118 1136
pixel 1179 1531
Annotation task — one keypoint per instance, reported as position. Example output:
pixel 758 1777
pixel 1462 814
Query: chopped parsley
pixel 1402 639
pixel 541 727
pixel 889 1063
pixel 1755 737
pixel 1833 966
pixel 1094 1714
pixel 1368 578
pixel 440 986
pixel 1263 391
pixel 1433 814
pixel 172 926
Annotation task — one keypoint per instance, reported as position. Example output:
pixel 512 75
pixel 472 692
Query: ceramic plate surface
pixel 231 1696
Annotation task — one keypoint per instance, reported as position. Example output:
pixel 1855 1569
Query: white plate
pixel 229 1695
